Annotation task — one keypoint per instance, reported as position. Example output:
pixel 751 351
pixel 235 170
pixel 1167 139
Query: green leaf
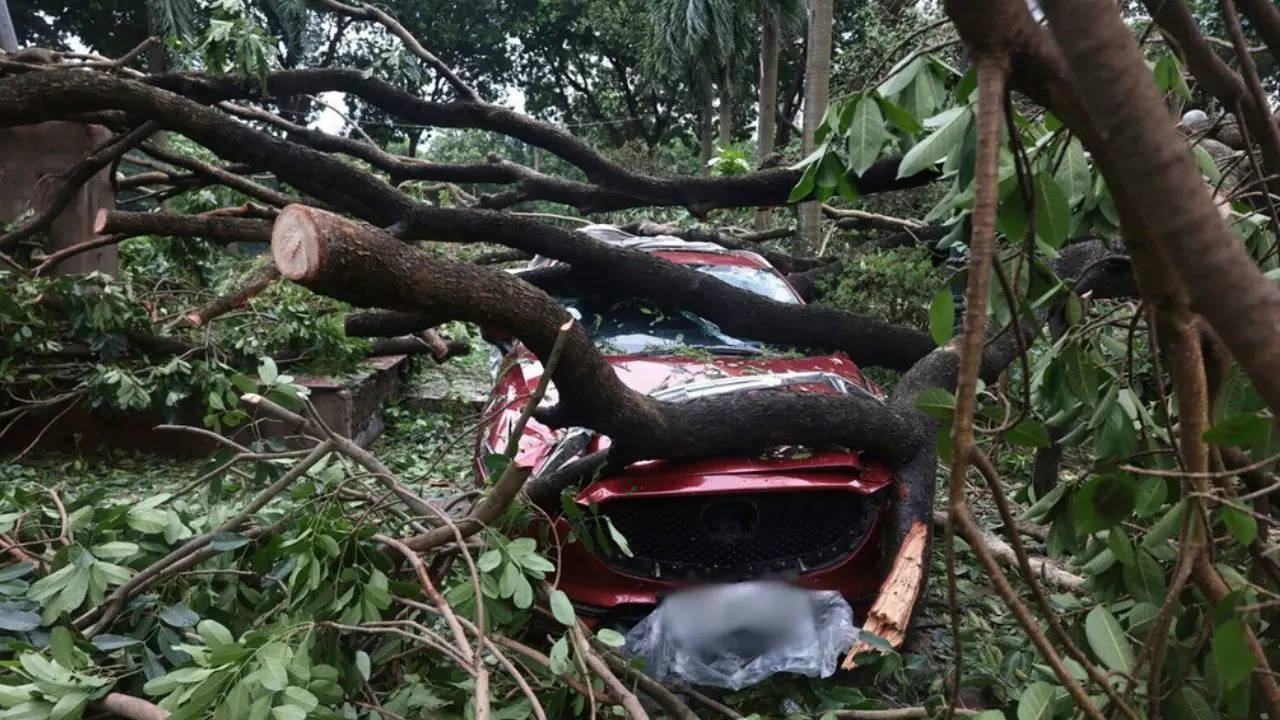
pixel 1073 173
pixel 214 633
pixel 363 664
pixel 300 697
pixel 535 564
pixel 12 619
pixel 1187 704
pixel 1121 546
pixel 898 117
pixel 267 371
pixel 804 188
pixel 618 538
pixel 829 172
pixel 1231 653
pixel 288 712
pixel 114 550
pixel 936 403
pixel 273 663
pixel 1036 702
pixel 489 560
pixel 1011 216
pixel 227 541
pixel 936 146
pixel 70 706
pixel 1244 429
pixel 1052 213
pixel 561 608
pixel 942 316
pixel 1107 640
pixel 1028 433
pixel 523 595
pixel 1103 502
pixel 108 643
pixel 900 76
pixel 1145 578
pixel 559 657
pixel 179 616
pixel 1165 527
pixel 612 638
pixel 866 135
pixel 13 572
pixel 1242 526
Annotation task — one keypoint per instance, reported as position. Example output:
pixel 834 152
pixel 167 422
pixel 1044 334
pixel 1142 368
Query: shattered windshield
pixel 637 327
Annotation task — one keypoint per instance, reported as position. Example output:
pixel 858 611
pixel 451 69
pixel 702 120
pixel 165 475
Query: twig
pixel 630 703
pixel 107 610
pixel 459 636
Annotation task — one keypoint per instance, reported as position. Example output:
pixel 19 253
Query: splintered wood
pixel 891 612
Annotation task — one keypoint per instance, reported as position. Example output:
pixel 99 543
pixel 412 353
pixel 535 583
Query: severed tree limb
pixel 221 176
pixel 226 303
pixel 428 341
pixel 128 706
pixel 613 186
pixel 1042 568
pixel 76 177
pixel 217 228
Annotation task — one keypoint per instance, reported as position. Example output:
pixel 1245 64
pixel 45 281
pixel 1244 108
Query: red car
pixel 811 518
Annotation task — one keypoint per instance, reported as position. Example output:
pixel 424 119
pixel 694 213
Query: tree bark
pixel 216 228
pixel 704 127
pixel 817 81
pixel 1147 161
pixel 725 109
pixel 767 112
pixel 1265 18
pixel 365 266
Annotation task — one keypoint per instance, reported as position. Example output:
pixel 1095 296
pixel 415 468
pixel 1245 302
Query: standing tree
pixel 817 85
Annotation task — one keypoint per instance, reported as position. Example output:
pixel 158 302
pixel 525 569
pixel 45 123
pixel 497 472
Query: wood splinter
pixel 890 614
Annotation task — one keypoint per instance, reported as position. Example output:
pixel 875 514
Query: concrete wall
pixel 32 159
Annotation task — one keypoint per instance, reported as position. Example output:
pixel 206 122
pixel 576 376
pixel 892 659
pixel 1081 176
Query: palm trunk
pixel 817 80
pixel 767 114
pixel 8 38
pixel 704 124
pixel 726 107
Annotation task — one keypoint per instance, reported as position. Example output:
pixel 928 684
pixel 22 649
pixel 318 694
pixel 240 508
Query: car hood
pixel 656 374
pixel 669 375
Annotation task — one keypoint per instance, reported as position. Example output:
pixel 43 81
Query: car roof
pixel 669 247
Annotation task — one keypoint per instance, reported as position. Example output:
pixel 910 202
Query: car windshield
pixel 636 327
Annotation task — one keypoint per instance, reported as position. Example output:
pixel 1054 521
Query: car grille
pixel 736 536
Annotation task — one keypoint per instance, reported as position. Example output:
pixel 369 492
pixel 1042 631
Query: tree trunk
pixel 8 38
pixel 726 106
pixel 767 114
pixel 817 80
pixel 704 126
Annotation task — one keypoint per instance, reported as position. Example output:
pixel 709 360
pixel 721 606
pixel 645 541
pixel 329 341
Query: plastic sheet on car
pixel 735 635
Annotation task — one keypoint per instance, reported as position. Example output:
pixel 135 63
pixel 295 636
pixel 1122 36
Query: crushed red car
pixel 810 518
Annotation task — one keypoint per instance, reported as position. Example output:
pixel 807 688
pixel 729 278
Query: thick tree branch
pixel 1148 166
pixel 220 229
pixel 620 187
